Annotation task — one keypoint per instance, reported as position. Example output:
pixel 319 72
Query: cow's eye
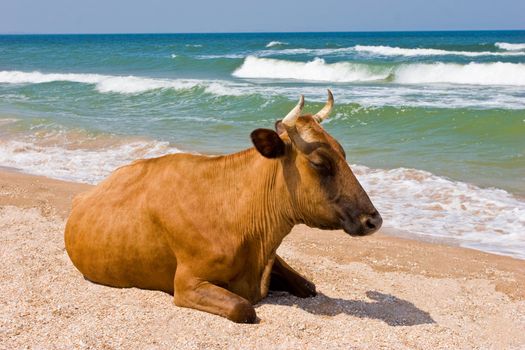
pixel 323 166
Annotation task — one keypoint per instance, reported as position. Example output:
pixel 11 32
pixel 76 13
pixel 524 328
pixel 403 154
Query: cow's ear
pixel 279 127
pixel 268 143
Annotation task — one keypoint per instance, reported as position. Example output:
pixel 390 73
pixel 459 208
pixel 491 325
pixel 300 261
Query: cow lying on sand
pixel 206 229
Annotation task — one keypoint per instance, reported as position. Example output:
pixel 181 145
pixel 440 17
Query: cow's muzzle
pixel 363 225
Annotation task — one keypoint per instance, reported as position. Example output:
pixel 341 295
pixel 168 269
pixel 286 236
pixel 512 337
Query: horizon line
pixel 268 32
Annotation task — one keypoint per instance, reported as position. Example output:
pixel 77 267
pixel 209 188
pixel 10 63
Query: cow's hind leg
pixel 205 296
pixel 285 278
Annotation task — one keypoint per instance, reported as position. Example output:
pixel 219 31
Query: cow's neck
pixel 267 216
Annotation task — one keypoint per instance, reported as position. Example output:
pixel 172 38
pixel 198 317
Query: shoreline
pixel 375 292
pixel 52 197
pixel 389 231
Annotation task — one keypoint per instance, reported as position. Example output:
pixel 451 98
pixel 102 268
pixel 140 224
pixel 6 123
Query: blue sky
pixel 173 16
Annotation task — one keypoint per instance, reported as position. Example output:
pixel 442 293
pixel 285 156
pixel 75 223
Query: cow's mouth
pixel 359 228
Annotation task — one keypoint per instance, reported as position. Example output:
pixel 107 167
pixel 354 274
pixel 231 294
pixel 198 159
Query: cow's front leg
pixel 202 295
pixel 285 278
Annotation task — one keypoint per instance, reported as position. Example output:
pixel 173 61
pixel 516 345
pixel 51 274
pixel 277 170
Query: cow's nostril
pixel 370 224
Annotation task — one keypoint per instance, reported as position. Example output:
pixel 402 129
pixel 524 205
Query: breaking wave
pixel 497 73
pixel 210 57
pixel 412 52
pixel 510 47
pixel 276 43
pixel 304 51
pixel 381 50
pixel 316 70
pixel 118 84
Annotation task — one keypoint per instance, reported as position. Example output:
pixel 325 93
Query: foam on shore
pixel 76 156
pixel 425 204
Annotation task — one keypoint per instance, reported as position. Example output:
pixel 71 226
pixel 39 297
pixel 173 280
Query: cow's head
pixel 324 191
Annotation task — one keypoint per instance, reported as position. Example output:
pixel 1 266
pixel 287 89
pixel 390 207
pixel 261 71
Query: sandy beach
pixel 374 293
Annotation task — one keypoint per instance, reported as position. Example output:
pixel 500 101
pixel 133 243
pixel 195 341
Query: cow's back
pixel 111 235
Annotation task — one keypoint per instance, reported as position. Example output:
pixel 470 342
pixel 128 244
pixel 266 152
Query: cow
pixel 206 228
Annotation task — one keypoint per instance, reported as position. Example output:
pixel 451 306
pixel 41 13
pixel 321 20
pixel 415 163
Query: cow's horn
pixel 325 112
pixel 291 118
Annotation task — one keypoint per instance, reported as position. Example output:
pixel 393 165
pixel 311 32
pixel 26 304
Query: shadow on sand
pixel 385 307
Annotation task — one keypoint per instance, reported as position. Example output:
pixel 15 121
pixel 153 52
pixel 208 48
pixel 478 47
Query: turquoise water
pixel 423 111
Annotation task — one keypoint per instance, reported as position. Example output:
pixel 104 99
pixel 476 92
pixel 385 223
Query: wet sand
pixel 375 292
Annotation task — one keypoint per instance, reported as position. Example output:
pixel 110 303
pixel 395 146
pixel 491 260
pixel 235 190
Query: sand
pixel 377 292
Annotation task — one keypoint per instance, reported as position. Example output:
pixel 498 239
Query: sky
pixel 195 16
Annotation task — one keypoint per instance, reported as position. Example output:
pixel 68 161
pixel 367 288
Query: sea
pixel 433 123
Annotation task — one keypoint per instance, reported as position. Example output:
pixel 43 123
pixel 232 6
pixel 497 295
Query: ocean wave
pixel 510 47
pixel 316 70
pixel 304 51
pixel 413 52
pixel 210 57
pixel 403 93
pixel 77 162
pixel 497 73
pixel 276 43
pixel 120 84
pixel 381 50
pixel 426 204
pixel 18 77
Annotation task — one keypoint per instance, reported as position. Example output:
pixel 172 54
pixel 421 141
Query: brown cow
pixel 206 229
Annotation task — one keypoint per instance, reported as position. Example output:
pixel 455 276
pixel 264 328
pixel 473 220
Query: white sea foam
pixel 380 50
pixel 413 52
pixel 116 84
pixel 497 73
pixel 18 77
pixel 436 95
pixel 315 70
pixel 208 57
pixel 305 51
pixel 104 83
pixel 425 204
pixel 89 165
pixel 510 47
pixel 275 43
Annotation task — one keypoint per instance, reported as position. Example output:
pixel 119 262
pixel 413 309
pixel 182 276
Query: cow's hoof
pixel 243 312
pixel 304 289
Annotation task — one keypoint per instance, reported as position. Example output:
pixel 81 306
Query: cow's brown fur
pixel 207 228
